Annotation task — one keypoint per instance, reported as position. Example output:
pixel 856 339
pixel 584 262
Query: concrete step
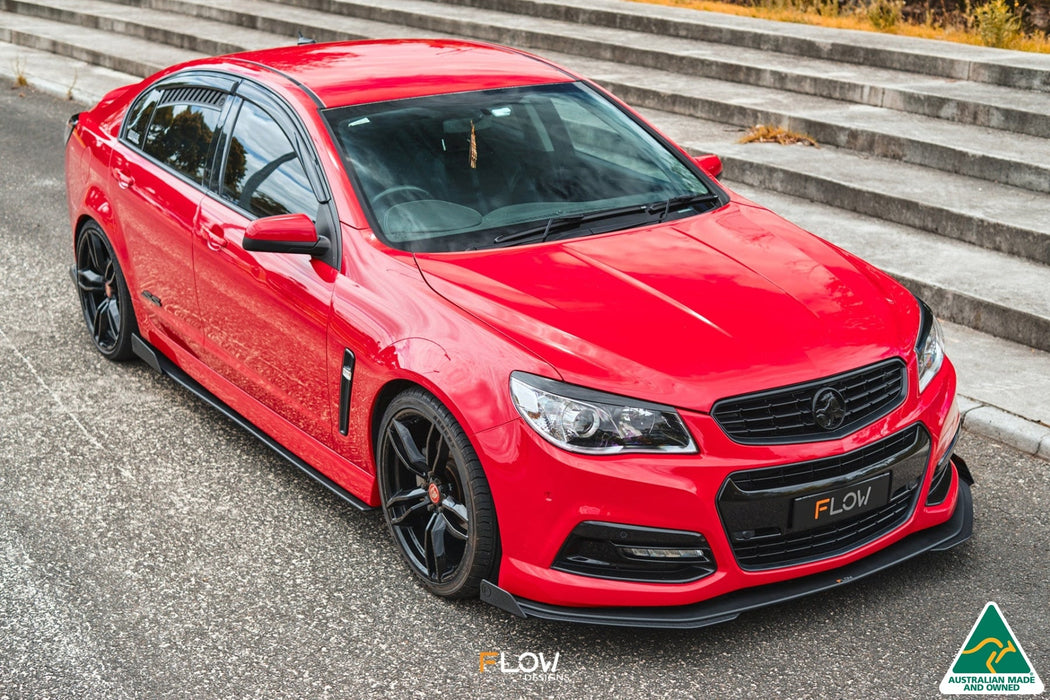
pixel 140 38
pixel 126 54
pixel 990 292
pixel 996 217
pixel 1023 161
pixel 1018 160
pixel 983 104
pixel 79 82
pixel 191 34
pixel 995 293
pixel 280 20
pixel 1013 378
pixel 939 58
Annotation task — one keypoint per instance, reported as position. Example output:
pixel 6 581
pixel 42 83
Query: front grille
pixel 824 542
pixel 820 469
pixel 756 505
pixel 786 415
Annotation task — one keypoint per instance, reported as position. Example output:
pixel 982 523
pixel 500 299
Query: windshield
pixel 503 167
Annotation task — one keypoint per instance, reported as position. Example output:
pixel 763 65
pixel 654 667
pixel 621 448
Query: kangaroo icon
pixel 997 654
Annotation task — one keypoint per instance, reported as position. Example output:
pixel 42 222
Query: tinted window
pixel 493 167
pixel 598 134
pixel 263 173
pixel 139 116
pixel 180 135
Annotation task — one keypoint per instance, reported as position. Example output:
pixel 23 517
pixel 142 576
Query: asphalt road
pixel 150 548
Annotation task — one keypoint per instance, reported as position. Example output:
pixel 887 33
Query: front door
pixel 265 314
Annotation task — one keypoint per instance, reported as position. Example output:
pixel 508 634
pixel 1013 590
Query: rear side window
pixel 180 135
pixel 263 173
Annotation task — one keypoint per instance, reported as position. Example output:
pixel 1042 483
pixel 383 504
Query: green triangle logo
pixel 991 661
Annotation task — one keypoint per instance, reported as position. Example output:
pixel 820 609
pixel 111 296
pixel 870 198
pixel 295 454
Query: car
pixel 456 282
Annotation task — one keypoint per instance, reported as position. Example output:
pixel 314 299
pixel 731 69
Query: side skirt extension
pixel 148 354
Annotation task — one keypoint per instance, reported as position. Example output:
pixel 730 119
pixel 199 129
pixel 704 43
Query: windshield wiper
pixel 556 224
pixel 665 206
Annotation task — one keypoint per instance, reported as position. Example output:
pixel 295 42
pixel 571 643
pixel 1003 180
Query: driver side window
pixel 263 174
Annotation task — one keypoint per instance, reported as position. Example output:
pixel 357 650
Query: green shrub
pixel 824 8
pixel 997 23
pixel 884 15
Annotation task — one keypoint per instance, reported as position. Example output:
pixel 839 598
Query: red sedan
pixel 460 283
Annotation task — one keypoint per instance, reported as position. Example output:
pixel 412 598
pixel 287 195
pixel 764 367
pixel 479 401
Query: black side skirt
pixel 727 607
pixel 148 354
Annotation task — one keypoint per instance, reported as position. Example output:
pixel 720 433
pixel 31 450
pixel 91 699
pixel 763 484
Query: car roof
pixel 358 72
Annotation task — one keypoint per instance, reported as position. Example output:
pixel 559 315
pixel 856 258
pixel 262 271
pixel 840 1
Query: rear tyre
pixel 436 500
pixel 104 295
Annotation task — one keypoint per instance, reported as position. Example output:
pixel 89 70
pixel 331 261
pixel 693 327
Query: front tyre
pixel 436 499
pixel 104 295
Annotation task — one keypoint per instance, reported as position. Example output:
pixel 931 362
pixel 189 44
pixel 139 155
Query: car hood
pixel 687 312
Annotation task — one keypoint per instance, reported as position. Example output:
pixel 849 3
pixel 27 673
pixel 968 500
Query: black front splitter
pixel 727 607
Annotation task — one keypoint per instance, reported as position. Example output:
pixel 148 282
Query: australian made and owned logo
pixel 991 661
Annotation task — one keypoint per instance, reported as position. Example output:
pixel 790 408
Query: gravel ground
pixel 150 548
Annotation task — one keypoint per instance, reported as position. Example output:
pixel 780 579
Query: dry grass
pixel 785 12
pixel 69 90
pixel 766 133
pixel 20 73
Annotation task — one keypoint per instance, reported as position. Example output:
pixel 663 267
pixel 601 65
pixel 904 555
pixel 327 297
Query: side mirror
pixel 710 164
pixel 287 233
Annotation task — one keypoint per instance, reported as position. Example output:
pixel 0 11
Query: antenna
pixel 304 40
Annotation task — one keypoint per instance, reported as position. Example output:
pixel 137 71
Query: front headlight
pixel 930 345
pixel 593 422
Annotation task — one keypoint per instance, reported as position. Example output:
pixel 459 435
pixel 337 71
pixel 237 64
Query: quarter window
pixel 139 116
pixel 263 173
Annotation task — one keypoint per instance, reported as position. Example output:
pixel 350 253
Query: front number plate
pixel 846 502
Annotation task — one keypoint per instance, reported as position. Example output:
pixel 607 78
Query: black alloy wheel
pixel 103 294
pixel 435 496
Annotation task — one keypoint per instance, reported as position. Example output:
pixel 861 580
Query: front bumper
pixel 954 531
pixel 543 494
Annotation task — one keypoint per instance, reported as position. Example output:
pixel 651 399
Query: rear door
pixel 266 314
pixel 169 147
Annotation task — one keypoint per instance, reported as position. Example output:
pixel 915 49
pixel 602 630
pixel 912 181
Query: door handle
pixel 124 180
pixel 216 237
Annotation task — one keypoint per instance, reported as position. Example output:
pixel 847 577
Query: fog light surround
pixel 635 553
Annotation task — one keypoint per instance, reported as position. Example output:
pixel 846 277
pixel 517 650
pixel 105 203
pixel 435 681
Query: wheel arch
pixel 83 221
pixel 469 389
pixel 383 397
pixel 96 208
pixel 386 395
